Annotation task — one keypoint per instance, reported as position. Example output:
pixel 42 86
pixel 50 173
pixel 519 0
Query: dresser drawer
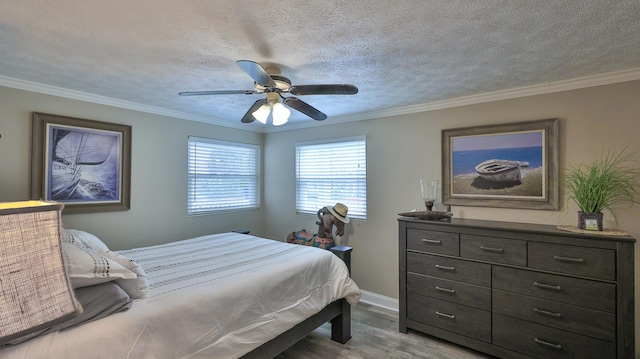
pixel 545 342
pixel 580 292
pixel 434 242
pixel 449 268
pixel 492 249
pixel 579 320
pixel 588 262
pixel 452 291
pixel 470 322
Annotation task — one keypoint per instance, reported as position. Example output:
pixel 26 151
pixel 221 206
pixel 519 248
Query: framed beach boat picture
pixel 513 165
pixel 82 163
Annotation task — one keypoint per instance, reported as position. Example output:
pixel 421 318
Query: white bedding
pixel 216 296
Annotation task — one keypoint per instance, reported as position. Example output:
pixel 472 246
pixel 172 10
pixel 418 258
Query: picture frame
pixel 84 164
pixel 513 165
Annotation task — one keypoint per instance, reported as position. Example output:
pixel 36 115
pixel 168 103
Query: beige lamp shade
pixel 35 292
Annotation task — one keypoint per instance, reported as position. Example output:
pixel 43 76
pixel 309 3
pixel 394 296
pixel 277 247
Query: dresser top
pixel 515 226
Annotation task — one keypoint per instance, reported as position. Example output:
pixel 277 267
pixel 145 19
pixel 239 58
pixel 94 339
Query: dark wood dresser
pixel 516 290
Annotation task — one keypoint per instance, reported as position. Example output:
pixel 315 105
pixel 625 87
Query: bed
pixel 227 295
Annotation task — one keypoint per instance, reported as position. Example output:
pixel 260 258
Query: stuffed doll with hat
pixel 328 218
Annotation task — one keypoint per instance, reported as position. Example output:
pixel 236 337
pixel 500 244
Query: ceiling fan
pixel 274 86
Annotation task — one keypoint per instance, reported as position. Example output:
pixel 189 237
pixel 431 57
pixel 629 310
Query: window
pixel 222 176
pixel 331 172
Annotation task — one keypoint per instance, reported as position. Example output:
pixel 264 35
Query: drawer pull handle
pixel 492 249
pixel 446 290
pixel 568 259
pixel 547 286
pixel 546 312
pixel 445 267
pixel 450 316
pixel 434 241
pixel 543 342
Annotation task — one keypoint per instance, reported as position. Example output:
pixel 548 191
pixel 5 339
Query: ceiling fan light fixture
pixel 268 81
pixel 280 114
pixel 262 113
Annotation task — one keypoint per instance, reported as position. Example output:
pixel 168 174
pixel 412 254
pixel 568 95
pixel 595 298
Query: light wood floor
pixel 376 336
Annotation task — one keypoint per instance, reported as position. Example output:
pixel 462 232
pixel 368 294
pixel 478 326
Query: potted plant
pixel 609 180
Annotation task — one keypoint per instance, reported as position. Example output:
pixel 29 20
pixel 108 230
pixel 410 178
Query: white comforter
pixel 217 296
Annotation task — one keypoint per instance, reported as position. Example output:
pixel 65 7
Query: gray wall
pixel 403 149
pixel 158 174
pixel 400 150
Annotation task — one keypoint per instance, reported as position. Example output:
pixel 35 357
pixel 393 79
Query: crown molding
pixel 539 89
pixel 518 92
pixel 108 101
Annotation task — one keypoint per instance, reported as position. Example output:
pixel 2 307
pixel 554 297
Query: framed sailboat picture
pixel 84 164
pixel 512 165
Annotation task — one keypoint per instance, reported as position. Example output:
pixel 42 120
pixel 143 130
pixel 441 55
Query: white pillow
pixel 85 238
pixel 86 266
pixel 137 287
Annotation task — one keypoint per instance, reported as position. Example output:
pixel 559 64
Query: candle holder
pixel 429 190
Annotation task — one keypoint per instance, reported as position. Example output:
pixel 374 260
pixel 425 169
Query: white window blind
pixel 222 176
pixel 331 172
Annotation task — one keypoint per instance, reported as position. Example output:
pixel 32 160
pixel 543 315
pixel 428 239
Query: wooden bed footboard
pixel 338 313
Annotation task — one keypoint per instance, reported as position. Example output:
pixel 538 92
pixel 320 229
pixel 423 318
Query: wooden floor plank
pixel 375 335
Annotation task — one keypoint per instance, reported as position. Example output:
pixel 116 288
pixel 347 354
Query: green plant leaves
pixel 608 181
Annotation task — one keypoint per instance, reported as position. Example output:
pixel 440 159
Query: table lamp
pixel 35 292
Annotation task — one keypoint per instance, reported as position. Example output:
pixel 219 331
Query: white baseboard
pixel 379 300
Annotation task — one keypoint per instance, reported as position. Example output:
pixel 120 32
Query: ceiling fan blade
pixel 224 92
pixel 248 117
pixel 305 108
pixel 343 89
pixel 257 73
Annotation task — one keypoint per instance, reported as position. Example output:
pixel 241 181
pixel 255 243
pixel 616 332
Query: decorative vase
pixel 590 221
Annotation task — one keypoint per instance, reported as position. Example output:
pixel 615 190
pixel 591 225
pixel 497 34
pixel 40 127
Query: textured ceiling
pixel 399 53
